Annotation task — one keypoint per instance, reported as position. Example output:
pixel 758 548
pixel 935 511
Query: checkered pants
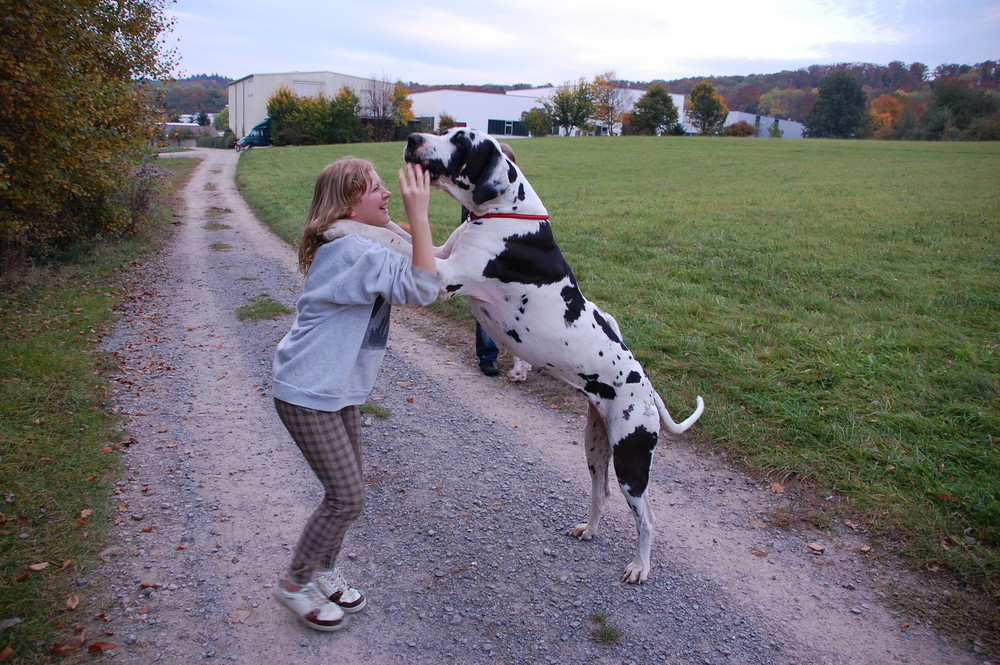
pixel 331 443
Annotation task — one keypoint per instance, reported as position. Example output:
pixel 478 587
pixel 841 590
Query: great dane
pixel 522 291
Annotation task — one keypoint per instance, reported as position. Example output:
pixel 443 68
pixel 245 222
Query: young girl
pixel 326 365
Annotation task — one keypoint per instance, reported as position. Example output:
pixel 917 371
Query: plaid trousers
pixel 331 443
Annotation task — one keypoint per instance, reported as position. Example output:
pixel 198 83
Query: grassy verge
pixel 58 437
pixel 836 302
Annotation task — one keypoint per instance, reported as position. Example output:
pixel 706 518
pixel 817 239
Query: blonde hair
pixel 339 187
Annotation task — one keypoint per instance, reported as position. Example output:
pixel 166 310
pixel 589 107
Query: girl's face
pixel 371 209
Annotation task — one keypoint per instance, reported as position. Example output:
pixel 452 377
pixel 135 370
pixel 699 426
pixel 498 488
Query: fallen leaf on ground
pixel 39 566
pixel 101 647
pixel 816 547
pixel 72 602
pixel 777 488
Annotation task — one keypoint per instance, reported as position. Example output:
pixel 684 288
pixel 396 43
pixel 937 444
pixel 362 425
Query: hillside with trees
pixel 202 93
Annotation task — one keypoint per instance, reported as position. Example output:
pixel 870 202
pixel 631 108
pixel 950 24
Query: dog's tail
pixel 668 422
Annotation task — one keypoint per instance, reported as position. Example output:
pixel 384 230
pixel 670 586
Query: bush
pixel 76 119
pixel 226 141
pixel 741 128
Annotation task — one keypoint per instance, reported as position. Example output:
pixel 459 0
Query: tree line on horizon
pixel 897 94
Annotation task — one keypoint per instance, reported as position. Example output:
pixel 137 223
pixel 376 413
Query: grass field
pixel 58 434
pixel 837 303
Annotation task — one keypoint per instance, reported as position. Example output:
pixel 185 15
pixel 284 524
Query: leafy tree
pixel 954 107
pixel 345 118
pixel 839 111
pixel 402 108
pixel 707 110
pixel 221 120
pixel 446 121
pixel 655 112
pixel 610 100
pixel 202 119
pixel 76 118
pixel 886 113
pixel 283 109
pixel 537 121
pixel 745 98
pixel 570 105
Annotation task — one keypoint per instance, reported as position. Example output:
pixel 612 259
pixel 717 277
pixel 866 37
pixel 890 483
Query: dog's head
pixel 469 165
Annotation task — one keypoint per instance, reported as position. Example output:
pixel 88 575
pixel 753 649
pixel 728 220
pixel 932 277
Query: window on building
pixel 308 88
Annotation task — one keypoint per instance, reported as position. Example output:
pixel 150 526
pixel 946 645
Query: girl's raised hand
pixel 415 188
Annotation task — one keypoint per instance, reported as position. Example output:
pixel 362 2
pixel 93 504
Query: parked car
pixel 260 135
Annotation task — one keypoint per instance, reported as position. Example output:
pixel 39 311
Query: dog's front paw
pixel 635 573
pixel 519 372
pixel 582 532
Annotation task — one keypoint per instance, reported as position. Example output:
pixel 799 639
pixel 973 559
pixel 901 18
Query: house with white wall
pixel 248 95
pixel 497 114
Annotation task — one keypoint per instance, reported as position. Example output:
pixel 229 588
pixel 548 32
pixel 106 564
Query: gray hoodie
pixel 332 354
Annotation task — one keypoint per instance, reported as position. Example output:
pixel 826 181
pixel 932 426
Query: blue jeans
pixel 486 348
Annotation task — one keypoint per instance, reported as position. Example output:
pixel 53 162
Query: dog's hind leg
pixel 598 461
pixel 633 456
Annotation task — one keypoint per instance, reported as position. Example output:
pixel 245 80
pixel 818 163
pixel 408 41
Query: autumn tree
pixel 839 111
pixel 446 121
pixel 76 118
pixel 886 113
pixel 655 112
pixel 570 105
pixel 745 98
pixel 610 100
pixel 707 110
pixel 402 108
pixel 283 109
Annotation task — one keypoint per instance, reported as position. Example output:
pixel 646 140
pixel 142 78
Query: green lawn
pixel 837 303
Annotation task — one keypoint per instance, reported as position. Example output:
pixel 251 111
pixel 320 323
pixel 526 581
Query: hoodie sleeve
pixel 354 270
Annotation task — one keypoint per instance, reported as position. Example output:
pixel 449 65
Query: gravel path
pixel 472 485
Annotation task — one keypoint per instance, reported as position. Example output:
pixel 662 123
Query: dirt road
pixel 472 485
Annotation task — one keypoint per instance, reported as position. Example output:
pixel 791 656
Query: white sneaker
pixel 332 585
pixel 310 607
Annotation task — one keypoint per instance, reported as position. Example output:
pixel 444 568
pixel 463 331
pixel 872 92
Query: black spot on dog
pixel 531 258
pixel 451 288
pixel 520 193
pixel 627 413
pixel 608 330
pixel 512 173
pixel 633 377
pixel 574 303
pixel 633 456
pixel 514 336
pixel 595 387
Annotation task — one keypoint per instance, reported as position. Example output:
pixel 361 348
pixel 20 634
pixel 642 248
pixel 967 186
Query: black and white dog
pixel 522 291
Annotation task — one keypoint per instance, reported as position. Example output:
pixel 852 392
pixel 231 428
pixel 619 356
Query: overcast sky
pixel 555 41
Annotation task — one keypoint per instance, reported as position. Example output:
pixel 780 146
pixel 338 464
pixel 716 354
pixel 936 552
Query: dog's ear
pixel 480 168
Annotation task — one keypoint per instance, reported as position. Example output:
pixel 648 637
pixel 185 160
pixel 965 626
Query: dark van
pixel 260 135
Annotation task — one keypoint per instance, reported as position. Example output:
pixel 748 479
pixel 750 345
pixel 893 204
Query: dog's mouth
pixel 434 167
